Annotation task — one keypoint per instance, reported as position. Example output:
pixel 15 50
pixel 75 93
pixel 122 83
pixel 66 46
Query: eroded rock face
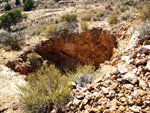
pixel 66 51
pixel 94 45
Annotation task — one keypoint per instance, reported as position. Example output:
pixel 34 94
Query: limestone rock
pixel 147 103
pixel 126 68
pixel 113 102
pixel 140 61
pixel 105 90
pixel 128 86
pixel 144 49
pixel 142 84
pixel 101 108
pixel 135 109
pixel 84 101
pixel 131 77
pixel 122 108
pixel 81 96
pixel 87 107
pixel 98 79
pixel 148 65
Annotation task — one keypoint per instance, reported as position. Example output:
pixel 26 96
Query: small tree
pixel 17 2
pixel 7 7
pixel 28 5
pixel 10 18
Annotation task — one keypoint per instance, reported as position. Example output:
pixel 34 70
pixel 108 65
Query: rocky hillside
pixel 125 89
pixel 113 36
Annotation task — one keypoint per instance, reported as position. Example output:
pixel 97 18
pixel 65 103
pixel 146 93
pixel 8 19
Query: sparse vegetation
pixel 51 30
pixel 86 17
pixel 145 13
pixel 11 41
pixel 83 74
pixel 24 15
pixel 129 2
pixel 122 9
pixel 69 18
pixel 10 18
pixel 84 25
pixel 7 6
pixel 34 58
pixel 45 88
pixel 125 16
pixel 144 29
pixel 28 5
pixel 7 48
pixel 113 18
pixel 101 14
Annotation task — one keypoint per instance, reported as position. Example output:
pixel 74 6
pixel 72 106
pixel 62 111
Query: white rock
pixel 135 109
pixel 126 68
pixel 144 49
pixel 140 61
pixel 105 90
pixel 128 86
pixel 131 77
pixel 148 65
pixel 142 84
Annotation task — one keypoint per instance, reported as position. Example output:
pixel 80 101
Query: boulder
pixel 130 77
pixel 140 61
pixel 144 49
pixel 126 68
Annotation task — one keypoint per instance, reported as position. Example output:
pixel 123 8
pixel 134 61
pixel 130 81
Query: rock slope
pixel 125 89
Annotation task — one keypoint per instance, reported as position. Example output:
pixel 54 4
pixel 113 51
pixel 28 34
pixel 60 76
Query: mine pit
pixel 68 50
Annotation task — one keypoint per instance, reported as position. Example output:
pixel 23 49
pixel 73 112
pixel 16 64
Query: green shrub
pixel 144 29
pixel 51 30
pixel 7 7
pixel 101 14
pixel 125 16
pixel 129 2
pixel 122 9
pixel 11 40
pixel 15 45
pixel 38 32
pixel 69 18
pixel 84 25
pixel 41 28
pixel 28 5
pixel 35 60
pixel 47 87
pixel 17 2
pixel 33 57
pixel 113 18
pixel 96 19
pixel 145 13
pixel 87 68
pixel 86 18
pixel 10 18
pixel 7 48
pixel 108 6
pixel 24 15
